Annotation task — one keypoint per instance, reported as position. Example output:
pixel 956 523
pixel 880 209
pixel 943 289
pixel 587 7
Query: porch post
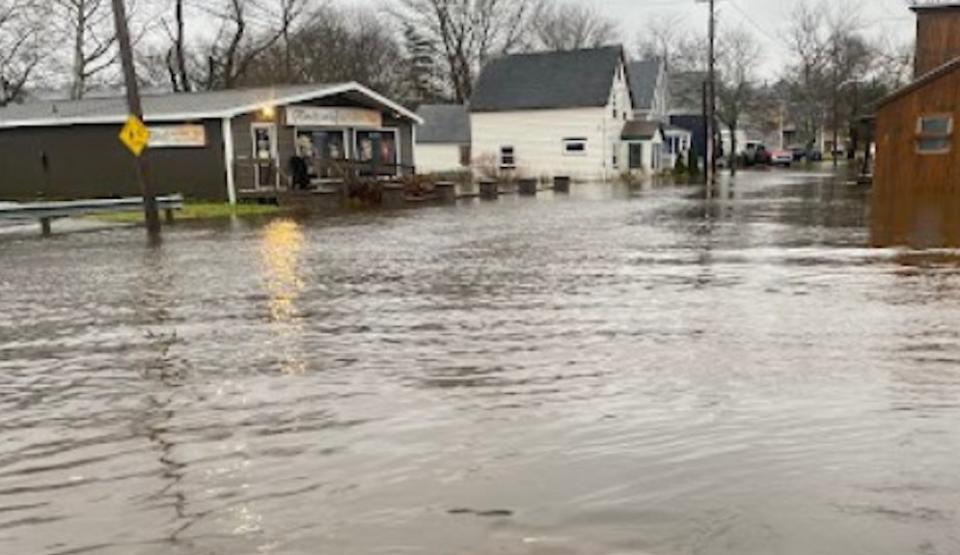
pixel 228 156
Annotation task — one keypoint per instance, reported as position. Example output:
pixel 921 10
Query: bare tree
pixel 336 45
pixel 569 26
pixel 665 38
pixel 470 32
pixel 832 58
pixel 738 54
pixel 809 43
pixel 20 51
pixel 176 56
pixel 88 27
pixel 245 31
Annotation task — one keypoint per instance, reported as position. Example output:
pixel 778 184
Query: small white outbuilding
pixel 443 140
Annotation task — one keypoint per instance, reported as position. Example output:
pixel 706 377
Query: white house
pixel 443 141
pixel 552 113
pixel 650 85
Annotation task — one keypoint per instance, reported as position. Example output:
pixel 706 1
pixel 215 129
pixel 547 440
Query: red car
pixel 781 158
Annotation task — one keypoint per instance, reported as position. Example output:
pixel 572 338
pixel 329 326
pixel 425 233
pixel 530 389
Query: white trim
pixel 231 113
pixel 274 133
pixel 413 147
pixel 228 156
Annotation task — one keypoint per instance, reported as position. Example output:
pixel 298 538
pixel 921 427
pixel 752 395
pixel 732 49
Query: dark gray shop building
pixel 223 145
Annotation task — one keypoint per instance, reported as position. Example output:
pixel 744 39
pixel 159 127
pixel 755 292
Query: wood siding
pixel 242 127
pixel 88 161
pixel 899 166
pixel 537 137
pixel 938 38
pixel 436 158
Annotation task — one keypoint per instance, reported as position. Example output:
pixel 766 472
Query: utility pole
pixel 711 162
pixel 150 211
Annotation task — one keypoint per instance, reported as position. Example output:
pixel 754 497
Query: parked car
pixel 804 154
pixel 782 158
pixel 755 153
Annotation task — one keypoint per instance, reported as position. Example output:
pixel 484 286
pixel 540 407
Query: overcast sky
pixel 768 19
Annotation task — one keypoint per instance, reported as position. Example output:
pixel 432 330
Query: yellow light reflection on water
pixel 281 250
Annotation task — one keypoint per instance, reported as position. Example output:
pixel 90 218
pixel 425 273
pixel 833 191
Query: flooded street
pixel 618 372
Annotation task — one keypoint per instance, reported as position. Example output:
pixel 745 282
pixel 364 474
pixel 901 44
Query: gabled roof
pixel 548 80
pixel 444 123
pixel 945 69
pixel 639 129
pixel 935 6
pixel 175 107
pixel 644 77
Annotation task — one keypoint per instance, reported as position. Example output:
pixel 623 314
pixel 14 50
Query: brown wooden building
pixel 916 127
pixel 221 145
pixel 938 35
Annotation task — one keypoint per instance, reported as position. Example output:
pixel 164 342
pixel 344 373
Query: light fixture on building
pixel 268 112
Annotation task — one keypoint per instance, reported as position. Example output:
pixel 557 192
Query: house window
pixel 615 158
pixel 934 134
pixel 465 155
pixel 575 146
pixel 508 158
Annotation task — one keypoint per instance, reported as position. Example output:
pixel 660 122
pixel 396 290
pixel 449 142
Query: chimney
pixel 938 35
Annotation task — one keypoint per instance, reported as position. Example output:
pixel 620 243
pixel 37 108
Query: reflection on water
pixel 280 251
pixel 654 370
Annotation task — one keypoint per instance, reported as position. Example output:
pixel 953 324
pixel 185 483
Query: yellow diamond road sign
pixel 135 135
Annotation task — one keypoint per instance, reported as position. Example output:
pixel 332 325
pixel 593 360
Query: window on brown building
pixel 934 134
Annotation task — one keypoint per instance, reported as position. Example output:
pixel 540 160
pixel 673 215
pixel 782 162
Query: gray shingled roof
pixel 444 123
pixel 637 129
pixel 179 106
pixel 643 82
pixel 571 79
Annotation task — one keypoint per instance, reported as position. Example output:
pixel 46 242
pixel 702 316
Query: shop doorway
pixel 265 155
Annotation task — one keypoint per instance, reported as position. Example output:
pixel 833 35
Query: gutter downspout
pixel 228 159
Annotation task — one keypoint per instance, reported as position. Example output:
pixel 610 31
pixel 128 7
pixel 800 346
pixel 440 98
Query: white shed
pixel 443 141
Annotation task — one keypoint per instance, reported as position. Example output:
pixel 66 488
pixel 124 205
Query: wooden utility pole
pixel 711 103
pixel 712 92
pixel 150 212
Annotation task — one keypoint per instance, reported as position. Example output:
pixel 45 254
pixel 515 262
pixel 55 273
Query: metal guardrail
pixel 46 212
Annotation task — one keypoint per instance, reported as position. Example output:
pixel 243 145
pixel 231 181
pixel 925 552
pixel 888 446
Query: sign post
pixel 135 134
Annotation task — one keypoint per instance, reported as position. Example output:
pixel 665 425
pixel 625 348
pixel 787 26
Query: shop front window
pixel 378 150
pixel 323 152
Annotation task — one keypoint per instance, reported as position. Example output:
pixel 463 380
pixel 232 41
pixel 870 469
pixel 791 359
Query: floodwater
pixel 619 372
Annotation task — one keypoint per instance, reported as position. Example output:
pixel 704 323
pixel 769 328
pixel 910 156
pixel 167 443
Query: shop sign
pixel 178 136
pixel 308 116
